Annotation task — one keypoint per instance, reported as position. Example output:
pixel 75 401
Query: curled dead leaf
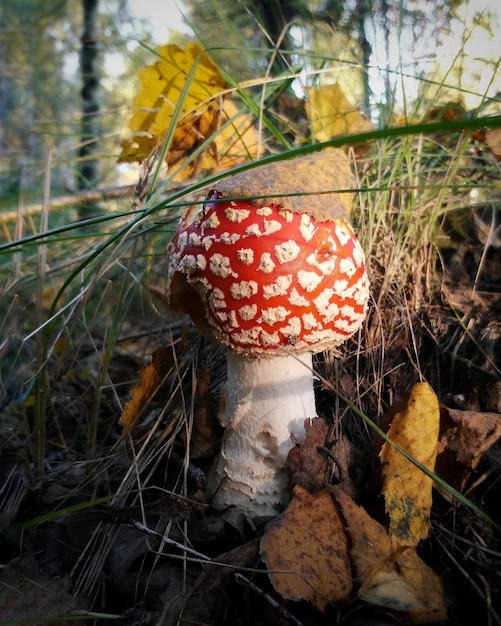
pixel 400 582
pixel 162 84
pixel 474 434
pixel 306 465
pixel 493 141
pixel 151 376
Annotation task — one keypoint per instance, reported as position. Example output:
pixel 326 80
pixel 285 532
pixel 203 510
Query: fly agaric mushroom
pixel 275 279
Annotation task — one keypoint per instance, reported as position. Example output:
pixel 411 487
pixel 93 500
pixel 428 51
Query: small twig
pixel 330 455
pixel 171 542
pixel 492 615
pixel 281 610
pixel 239 578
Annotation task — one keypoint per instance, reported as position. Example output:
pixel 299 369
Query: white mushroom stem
pixel 265 405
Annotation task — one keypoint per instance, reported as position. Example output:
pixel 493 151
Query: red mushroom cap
pixel 260 278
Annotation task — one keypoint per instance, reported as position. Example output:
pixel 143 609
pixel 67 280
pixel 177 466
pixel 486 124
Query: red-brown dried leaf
pixel 471 435
pixel 493 141
pixel 307 466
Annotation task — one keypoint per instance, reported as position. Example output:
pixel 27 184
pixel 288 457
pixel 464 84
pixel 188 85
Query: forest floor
pixel 123 534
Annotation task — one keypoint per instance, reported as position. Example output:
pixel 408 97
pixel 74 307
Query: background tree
pixel 45 104
pixel 88 170
pixel 35 94
pixel 370 47
pixel 374 37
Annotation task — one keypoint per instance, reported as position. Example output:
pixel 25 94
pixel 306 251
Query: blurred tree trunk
pixel 363 14
pixel 36 39
pixel 88 164
pixel 276 17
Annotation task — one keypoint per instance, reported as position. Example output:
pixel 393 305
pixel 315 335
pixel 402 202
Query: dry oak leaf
pixel 306 551
pixel 406 488
pixel 306 465
pixel 398 582
pixel 472 435
pixel 333 115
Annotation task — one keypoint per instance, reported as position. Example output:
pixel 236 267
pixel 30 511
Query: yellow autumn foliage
pixel 161 86
pixel 407 489
pixel 205 116
pixel 332 114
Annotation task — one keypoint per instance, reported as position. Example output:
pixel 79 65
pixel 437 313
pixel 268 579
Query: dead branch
pixel 91 196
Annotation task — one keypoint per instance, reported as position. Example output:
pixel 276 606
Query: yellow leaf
pixel 161 87
pixel 406 488
pixel 370 546
pixel 205 110
pixel 333 115
pixel 408 585
pixel 427 586
pixel 306 550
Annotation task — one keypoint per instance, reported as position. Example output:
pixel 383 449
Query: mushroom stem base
pixel 265 404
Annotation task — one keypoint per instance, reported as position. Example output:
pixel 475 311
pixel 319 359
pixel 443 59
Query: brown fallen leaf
pixel 342 453
pixel 307 466
pixel 450 111
pixel 493 141
pixel 471 435
pixel 401 582
pixel 406 488
pixel 306 551
pixel 234 141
